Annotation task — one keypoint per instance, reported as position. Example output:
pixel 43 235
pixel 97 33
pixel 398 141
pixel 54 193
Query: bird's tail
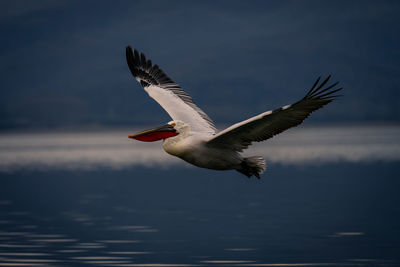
pixel 252 166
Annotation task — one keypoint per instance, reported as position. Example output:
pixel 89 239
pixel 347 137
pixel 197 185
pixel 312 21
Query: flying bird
pixel 192 135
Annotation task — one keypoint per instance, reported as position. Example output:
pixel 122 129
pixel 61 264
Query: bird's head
pixel 168 130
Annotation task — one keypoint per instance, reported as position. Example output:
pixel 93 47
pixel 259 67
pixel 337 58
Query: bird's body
pixel 194 149
pixel 192 135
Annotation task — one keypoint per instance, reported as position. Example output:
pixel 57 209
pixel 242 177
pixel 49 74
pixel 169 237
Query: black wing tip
pixel 319 91
pixel 134 56
pixel 136 61
pixel 129 52
pixel 129 48
pixel 144 70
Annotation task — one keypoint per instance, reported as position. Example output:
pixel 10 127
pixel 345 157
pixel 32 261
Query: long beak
pixel 155 134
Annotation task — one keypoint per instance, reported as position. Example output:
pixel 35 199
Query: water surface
pixel 86 199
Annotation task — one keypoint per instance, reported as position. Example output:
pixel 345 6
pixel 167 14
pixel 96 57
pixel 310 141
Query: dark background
pixel 63 62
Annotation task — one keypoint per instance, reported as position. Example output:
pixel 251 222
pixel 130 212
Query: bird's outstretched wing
pixel 264 126
pixel 176 102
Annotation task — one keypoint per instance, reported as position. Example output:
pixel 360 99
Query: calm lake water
pixel 329 198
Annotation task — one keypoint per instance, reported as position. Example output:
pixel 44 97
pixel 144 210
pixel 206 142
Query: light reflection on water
pixel 112 149
pixel 333 215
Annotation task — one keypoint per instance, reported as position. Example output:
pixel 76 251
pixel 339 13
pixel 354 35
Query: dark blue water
pixel 333 214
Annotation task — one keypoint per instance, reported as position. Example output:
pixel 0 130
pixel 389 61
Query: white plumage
pixel 192 135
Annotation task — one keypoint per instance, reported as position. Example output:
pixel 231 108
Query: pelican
pixel 192 135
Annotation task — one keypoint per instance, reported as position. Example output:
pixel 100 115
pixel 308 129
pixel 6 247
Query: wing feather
pixel 176 102
pixel 268 124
